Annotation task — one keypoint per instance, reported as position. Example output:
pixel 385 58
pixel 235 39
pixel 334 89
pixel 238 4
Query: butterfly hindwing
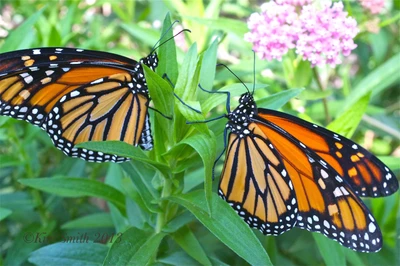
pixel 106 109
pixel 365 173
pixel 255 183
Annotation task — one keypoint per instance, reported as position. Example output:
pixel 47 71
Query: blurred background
pixel 131 28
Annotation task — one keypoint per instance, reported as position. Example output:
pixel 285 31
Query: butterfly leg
pixel 222 153
pixel 228 97
pixel 165 76
pixel 218 117
pixel 159 112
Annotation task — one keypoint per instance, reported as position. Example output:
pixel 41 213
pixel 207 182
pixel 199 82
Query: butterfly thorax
pixel 138 74
pixel 240 118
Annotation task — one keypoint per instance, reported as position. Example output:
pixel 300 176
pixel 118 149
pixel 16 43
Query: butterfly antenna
pixel 235 76
pixel 187 30
pixel 158 44
pixel 163 35
pixel 254 72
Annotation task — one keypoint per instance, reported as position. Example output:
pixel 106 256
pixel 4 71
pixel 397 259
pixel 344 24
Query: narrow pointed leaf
pixel 134 247
pixel 84 254
pixel 226 225
pixel 77 187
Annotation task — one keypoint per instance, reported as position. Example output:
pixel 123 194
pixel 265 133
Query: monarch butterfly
pixel 281 172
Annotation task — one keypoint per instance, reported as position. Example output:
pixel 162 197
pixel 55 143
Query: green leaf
pixel 4 213
pixel 390 161
pixel 17 201
pixel 135 247
pixel 97 220
pixel 8 160
pixel 302 74
pixel 297 72
pixel 226 225
pixel 84 254
pixel 77 187
pixel 14 41
pixel 145 35
pixel 167 53
pixel 348 121
pixel 115 177
pixel 331 252
pixel 141 179
pixel 383 77
pixel 178 257
pixel 179 221
pixel 123 149
pixel 312 95
pixel 189 243
pixel 207 72
pixel 54 37
pixel 186 88
pixel 163 95
pixel 205 146
pixel 27 240
pixel 379 43
pixel 353 257
pixel 279 99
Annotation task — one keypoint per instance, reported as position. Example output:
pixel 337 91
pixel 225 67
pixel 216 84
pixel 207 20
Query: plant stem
pixel 389 21
pixel 382 126
pixel 324 101
pixel 166 191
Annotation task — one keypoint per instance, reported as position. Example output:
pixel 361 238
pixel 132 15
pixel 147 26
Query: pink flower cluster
pixel 273 31
pixel 318 35
pixel 326 34
pixel 374 6
pixel 294 2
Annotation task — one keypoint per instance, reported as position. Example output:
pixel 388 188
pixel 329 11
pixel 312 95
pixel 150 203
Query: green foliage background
pixel 161 208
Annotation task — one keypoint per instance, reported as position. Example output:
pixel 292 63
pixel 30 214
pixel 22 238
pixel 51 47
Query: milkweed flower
pixel 294 2
pixel 272 32
pixel 373 6
pixel 319 35
pixel 326 34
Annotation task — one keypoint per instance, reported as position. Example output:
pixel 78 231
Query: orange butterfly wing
pixel 103 111
pixel 365 173
pixel 265 164
pixel 326 202
pixel 255 183
pixel 38 78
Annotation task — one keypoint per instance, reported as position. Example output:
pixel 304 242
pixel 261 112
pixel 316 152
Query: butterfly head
pixel 247 99
pixel 240 118
pixel 151 61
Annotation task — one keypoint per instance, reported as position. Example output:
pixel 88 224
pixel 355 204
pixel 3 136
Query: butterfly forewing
pixel 365 173
pixel 29 59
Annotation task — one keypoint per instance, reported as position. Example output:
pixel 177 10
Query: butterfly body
pixel 78 95
pixel 281 172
